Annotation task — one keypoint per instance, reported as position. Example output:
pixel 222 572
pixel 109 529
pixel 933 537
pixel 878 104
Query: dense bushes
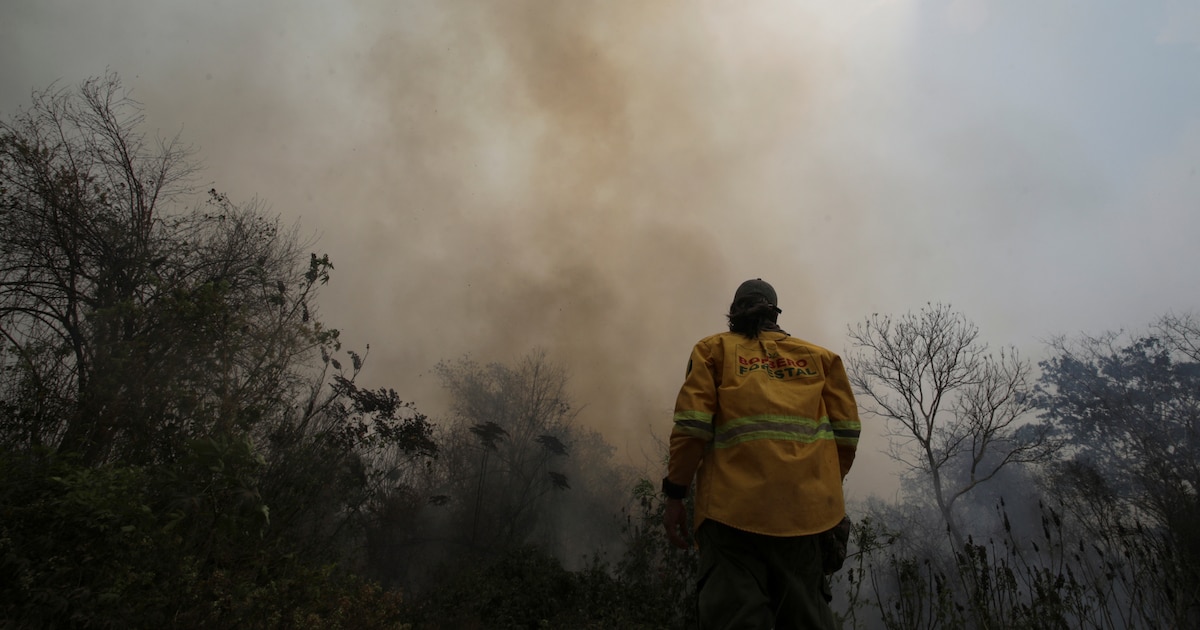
pixel 651 585
pixel 190 545
pixel 166 546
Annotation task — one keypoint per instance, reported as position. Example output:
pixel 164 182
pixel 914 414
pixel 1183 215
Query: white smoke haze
pixel 594 178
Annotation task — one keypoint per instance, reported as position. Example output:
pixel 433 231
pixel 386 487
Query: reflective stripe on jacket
pixel 769 428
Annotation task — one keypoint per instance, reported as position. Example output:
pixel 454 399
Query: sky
pixel 594 178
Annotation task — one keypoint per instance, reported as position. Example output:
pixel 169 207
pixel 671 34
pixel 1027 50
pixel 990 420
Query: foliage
pixel 513 470
pixel 127 547
pixel 1033 573
pixel 1129 406
pixel 505 455
pixel 662 577
pixel 651 586
pixel 331 473
pixel 521 588
pixel 130 326
pixel 180 440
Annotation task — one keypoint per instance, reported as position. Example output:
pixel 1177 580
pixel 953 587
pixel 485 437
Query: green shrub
pixel 130 547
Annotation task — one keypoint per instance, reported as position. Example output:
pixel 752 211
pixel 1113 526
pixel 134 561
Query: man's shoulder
pixel 810 346
pixel 718 339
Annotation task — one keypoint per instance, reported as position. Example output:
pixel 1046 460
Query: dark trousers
pixel 759 582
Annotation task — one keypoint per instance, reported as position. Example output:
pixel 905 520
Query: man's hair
pixel 749 316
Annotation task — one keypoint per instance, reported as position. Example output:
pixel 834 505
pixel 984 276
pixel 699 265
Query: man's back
pixel 772 405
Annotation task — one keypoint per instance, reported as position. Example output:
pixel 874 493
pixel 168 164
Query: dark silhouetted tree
pixel 1129 407
pixel 131 325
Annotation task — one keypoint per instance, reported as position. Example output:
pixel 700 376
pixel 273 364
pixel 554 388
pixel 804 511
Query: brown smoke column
pixel 589 178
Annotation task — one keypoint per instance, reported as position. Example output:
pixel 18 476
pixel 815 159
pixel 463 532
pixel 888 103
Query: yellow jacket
pixel 769 427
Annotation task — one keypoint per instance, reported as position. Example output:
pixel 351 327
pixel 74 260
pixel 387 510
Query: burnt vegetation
pixel 185 443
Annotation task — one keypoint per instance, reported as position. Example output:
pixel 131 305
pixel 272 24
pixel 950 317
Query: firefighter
pixel 767 426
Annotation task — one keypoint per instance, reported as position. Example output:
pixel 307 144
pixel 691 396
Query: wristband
pixel 673 490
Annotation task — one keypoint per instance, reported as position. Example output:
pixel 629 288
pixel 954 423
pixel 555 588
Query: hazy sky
pixel 596 177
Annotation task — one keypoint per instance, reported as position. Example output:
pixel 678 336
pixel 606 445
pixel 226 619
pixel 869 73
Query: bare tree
pixel 1180 333
pixel 954 409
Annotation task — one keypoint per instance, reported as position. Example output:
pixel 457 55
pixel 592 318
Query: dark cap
pixel 756 287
